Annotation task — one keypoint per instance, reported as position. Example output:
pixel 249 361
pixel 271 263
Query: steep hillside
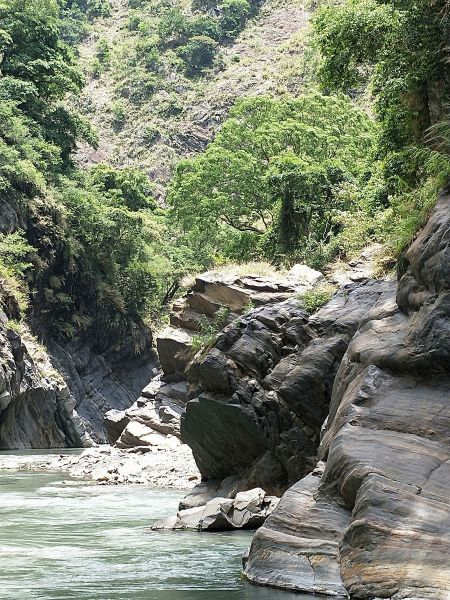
pixel 180 114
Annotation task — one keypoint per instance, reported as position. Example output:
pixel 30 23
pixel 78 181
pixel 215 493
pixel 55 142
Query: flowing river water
pixel 62 539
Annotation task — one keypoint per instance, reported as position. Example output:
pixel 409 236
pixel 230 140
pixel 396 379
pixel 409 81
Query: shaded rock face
pixel 36 407
pixel 376 523
pixel 102 382
pixel 262 393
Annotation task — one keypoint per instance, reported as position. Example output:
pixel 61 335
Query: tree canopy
pixel 272 175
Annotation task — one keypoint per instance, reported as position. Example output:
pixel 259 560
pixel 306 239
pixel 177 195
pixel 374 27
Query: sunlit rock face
pixel 376 523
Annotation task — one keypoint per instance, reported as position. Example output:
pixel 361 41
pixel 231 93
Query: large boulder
pixel 115 423
pixel 383 498
pixel 138 434
pixel 262 393
pixel 174 351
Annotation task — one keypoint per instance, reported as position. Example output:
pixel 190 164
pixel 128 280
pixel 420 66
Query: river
pixel 62 539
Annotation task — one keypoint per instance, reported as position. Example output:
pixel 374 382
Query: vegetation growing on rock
pixel 305 178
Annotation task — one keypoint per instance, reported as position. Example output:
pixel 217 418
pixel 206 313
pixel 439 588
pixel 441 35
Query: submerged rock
pixel 247 510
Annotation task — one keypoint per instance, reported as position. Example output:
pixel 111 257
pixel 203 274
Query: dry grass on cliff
pixel 258 268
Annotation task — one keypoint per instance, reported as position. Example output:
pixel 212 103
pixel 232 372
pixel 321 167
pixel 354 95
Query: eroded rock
pixel 36 406
pixel 247 510
pixel 264 389
pixel 386 481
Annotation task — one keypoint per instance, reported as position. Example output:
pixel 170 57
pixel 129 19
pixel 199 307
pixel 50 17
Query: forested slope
pixel 329 129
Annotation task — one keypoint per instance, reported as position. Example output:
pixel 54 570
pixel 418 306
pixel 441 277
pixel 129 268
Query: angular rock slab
pixel 298 546
pixel 247 510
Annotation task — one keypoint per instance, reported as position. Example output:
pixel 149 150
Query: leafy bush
pixel 119 113
pixel 151 134
pixel 233 17
pixel 401 50
pixel 173 28
pixel 128 187
pixel 103 52
pixel 315 298
pixel 208 330
pixel 198 53
pixel 203 25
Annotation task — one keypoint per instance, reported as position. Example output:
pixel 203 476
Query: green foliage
pixel 349 36
pixel 208 330
pixel 90 249
pixel 315 298
pixel 119 113
pixel 198 53
pixel 103 52
pixel 15 252
pixel 173 28
pixel 233 17
pixel 126 187
pixel 151 134
pixel 269 182
pixel 401 49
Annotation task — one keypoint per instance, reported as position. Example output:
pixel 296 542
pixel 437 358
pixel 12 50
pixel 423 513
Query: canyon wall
pixel 372 521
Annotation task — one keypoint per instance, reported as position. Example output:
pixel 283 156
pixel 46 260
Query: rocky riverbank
pixel 373 520
pixel 169 467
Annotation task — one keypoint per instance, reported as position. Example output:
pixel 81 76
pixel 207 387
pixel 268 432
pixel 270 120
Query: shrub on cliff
pixel 198 53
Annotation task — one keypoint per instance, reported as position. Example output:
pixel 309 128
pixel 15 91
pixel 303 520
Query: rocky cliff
pixel 100 382
pixel 262 393
pixel 215 299
pixel 372 521
pixel 36 407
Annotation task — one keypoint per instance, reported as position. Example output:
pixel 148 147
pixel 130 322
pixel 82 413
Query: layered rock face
pixel 262 393
pixel 103 382
pixel 212 293
pixel 376 523
pixel 36 407
pixel 214 300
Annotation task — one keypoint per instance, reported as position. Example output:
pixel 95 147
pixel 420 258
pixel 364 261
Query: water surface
pixel 65 539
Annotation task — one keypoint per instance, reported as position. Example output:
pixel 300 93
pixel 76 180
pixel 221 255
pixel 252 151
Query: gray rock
pixel 100 382
pixel 36 407
pixel 264 389
pixel 115 423
pixel 383 498
pixel 138 433
pixel 246 511
pixel 298 546
pixel 174 351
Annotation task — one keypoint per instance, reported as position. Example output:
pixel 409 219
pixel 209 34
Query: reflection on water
pixel 66 540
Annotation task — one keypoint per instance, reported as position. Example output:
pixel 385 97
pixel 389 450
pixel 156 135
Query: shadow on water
pixel 64 540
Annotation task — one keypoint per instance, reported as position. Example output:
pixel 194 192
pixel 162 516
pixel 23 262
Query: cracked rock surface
pixel 259 397
pixel 376 523
pixel 36 407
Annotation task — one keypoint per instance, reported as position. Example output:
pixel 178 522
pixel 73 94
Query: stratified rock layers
pixel 376 524
pixel 262 393
pixel 36 407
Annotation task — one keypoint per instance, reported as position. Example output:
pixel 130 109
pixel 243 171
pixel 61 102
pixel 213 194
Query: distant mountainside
pixel 151 126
